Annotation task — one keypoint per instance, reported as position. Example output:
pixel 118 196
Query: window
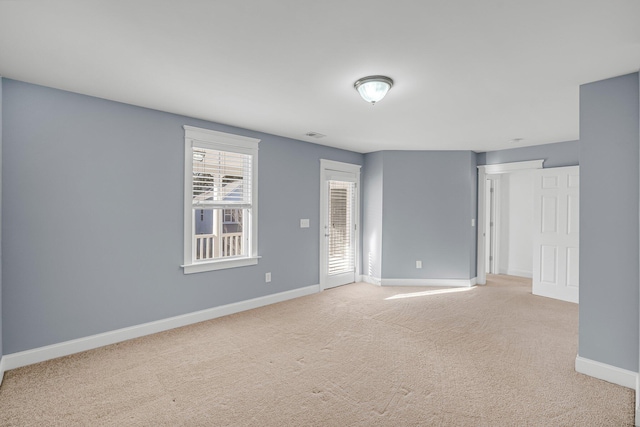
pixel 341 221
pixel 232 216
pixel 220 204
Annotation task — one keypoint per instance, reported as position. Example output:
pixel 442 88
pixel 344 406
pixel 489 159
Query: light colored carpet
pixel 493 355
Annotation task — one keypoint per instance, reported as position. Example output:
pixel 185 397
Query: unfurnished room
pixel 360 213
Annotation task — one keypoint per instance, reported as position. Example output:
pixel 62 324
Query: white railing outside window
pixel 231 244
pixel 207 246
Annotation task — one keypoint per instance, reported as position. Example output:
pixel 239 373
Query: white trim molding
pixel 458 283
pixel 41 354
pixel 340 166
pixel 220 264
pixel 518 273
pixel 372 280
pixel 511 167
pixel 2 368
pixel 462 283
pixel 606 372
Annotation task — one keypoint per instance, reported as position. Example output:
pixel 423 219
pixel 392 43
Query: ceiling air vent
pixel 315 135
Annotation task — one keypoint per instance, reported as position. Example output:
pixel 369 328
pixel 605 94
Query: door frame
pixel 327 167
pixel 494 209
pixel 483 172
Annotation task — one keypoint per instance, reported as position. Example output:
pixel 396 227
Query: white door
pixel 556 234
pixel 338 227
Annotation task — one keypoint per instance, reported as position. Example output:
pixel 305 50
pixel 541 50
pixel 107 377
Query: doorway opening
pixel 528 226
pixel 491 242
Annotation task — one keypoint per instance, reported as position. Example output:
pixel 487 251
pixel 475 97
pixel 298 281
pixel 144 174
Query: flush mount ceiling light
pixel 373 88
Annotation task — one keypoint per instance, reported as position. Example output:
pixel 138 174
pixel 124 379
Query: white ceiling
pixel 469 74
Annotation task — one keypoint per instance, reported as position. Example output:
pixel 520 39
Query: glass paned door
pixel 340 233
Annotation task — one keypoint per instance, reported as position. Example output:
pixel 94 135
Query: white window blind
pixel 221 179
pixel 220 200
pixel 341 232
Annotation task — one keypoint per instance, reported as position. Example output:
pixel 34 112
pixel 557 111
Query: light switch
pixel 304 223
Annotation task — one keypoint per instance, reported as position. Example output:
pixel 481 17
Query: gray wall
pixel 428 207
pixel 421 205
pixel 555 155
pixel 1 83
pixel 79 257
pixel 372 209
pixel 609 189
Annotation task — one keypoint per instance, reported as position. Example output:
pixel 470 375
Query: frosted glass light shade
pixel 373 88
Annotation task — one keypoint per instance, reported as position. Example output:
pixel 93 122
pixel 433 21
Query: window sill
pixel 201 267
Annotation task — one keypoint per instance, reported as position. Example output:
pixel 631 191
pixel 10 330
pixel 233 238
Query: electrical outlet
pixel 267 277
pixel 473 222
pixel 304 223
pixel 418 264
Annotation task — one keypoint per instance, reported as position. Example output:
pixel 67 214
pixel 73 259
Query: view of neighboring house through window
pixel 222 200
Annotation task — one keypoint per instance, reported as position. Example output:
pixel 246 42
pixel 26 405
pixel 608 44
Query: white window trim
pixel 226 142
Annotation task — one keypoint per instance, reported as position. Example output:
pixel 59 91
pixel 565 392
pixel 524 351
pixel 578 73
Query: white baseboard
pixel 36 355
pixel 520 273
pixel 2 369
pixel 419 282
pixel 371 280
pixel 606 372
pixel 465 283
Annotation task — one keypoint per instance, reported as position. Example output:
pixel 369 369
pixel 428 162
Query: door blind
pixel 221 179
pixel 341 232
